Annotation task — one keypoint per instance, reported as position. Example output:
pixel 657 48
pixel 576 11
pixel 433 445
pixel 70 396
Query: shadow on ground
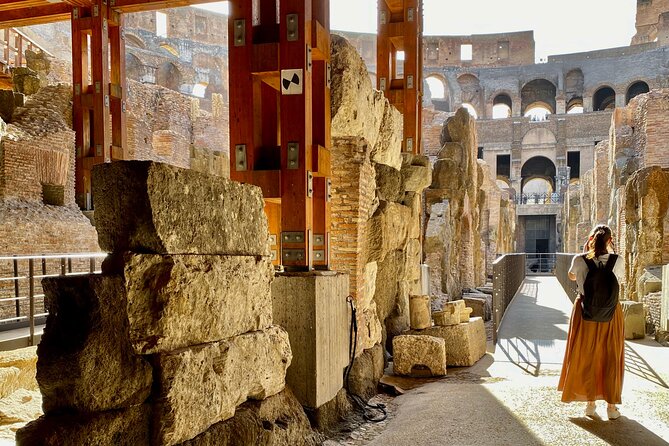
pixel 620 432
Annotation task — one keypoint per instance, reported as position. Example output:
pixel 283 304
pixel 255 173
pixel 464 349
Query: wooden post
pixel 6 49
pixel 19 50
pixel 80 116
pixel 118 87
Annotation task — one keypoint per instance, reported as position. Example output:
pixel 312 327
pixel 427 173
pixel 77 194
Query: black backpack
pixel 601 291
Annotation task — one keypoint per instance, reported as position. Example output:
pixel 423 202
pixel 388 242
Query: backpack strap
pixel 611 262
pixel 590 263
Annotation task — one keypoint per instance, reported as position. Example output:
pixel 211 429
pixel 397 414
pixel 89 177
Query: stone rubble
pixel 427 351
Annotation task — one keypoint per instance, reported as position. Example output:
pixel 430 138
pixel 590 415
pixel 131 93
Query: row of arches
pixel 537 97
pixel 537 177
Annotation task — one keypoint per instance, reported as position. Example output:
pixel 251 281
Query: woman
pixel 593 364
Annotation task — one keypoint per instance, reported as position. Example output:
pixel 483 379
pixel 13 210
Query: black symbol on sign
pixel 295 80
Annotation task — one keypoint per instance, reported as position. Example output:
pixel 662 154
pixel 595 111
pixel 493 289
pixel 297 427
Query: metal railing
pixel 21 294
pixel 562 264
pixel 508 276
pixel 539 263
pixel 554 198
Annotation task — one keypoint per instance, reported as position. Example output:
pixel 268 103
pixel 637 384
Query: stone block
pixel 9 380
pixel 278 420
pixel 169 210
pixel 635 319
pixel 313 310
pixel 465 342
pixel 389 184
pixel 127 427
pixel 85 359
pixel 419 311
pixel 447 316
pixel 176 301
pixel 21 406
pixel 650 281
pixel 416 178
pixel 388 230
pixel 465 314
pixel 25 361
pixel 366 372
pixel 480 307
pixel 199 386
pixel 411 350
pixel 7 105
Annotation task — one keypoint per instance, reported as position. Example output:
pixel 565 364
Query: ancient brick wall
pixel 647 19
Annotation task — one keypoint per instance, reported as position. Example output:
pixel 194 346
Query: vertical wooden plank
pixel 118 79
pixel 296 128
pixel 411 21
pixel 321 222
pixel 100 78
pixel 383 46
pixel 6 52
pixel 418 145
pixel 79 74
pixel 242 128
pixel 273 212
pixel 19 50
pixel 267 12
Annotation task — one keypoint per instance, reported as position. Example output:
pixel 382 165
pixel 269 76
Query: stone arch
pixel 440 92
pixel 539 137
pixel 604 98
pixel 169 76
pixel 133 40
pixel 134 67
pixel 470 90
pixel 502 106
pixel 538 167
pixel 635 89
pixel 539 92
pixel 573 85
pixel 575 105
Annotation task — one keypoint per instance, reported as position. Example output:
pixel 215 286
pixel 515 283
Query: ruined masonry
pixel 136 355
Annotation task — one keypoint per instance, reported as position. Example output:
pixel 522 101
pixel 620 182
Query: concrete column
pixel 587 104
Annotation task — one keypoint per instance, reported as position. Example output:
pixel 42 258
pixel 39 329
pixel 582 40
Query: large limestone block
pixel 388 147
pixel 168 210
pixel 388 230
pixel 278 421
pixel 416 178
pixel 9 380
pixel 85 359
pixel 312 308
pixel 366 372
pixel 200 386
pixel 21 406
pixel 25 361
pixel 389 183
pixel 412 350
pixel 635 319
pixel 465 342
pixel 127 427
pixel 480 303
pixel 420 312
pixel 176 301
pixel 447 316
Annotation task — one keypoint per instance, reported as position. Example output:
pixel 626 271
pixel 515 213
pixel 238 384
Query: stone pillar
pixel 620 99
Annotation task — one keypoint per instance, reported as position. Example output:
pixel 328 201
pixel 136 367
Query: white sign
pixel 291 81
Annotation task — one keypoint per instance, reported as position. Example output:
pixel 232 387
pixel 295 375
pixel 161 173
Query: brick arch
pixel 443 103
pixel 538 91
pixel 636 88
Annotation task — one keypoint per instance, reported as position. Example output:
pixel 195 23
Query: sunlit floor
pixel 510 397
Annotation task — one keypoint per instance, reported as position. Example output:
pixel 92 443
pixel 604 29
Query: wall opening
pixel 575 106
pixel 538 167
pixel 470 108
pixel 504 166
pixel 604 99
pixel 466 52
pixel 538 92
pixel 574 163
pixel 501 106
pixel 636 89
pixel 538 112
pixel 479 153
pixel 53 194
pixel 199 89
pixel 161 24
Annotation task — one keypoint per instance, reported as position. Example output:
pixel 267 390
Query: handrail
pixel 20 281
pixel 508 276
pixel 543 198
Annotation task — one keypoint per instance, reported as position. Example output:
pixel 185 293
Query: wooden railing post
pixel 16 287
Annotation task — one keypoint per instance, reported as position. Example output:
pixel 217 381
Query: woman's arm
pixel 572 276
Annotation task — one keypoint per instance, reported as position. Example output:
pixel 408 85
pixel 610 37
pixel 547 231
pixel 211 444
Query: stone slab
pixel 278 421
pixel 85 360
pixel 465 343
pixel 176 301
pixel 168 210
pixel 419 312
pixel 419 350
pixel 447 316
pixel 366 372
pixel 127 427
pixel 312 308
pixel 635 319
pixel 25 361
pixel 480 307
pixel 198 387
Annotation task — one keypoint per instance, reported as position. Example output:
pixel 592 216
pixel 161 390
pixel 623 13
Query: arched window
pixel 538 168
pixel 470 108
pixel 539 93
pixel 636 89
pixel 575 106
pixel 604 99
pixel 501 106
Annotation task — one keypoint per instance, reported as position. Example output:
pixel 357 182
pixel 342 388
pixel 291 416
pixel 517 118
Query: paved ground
pixel 510 397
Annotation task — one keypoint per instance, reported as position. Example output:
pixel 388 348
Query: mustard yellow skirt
pixel 594 361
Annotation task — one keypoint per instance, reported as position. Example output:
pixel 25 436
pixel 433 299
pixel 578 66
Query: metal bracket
pixel 410 81
pixel 240 32
pixel 410 14
pixel 272 239
pixel 106 100
pixel 310 184
pixel 274 255
pixel 75 13
pixel 409 144
pixel 77 89
pixel 98 150
pixel 328 74
pixel 328 190
pixel 104 25
pixel 382 84
pixel 96 10
pixel 123 107
pixel 293 255
pixel 97 87
pixel 240 158
pixel 292 237
pixel 309 61
pixel 383 18
pixel 292 28
pixel 319 239
pixel 319 255
pixel 293 155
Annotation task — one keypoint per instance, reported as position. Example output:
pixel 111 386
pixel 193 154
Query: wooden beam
pixel 34 15
pixel 118 79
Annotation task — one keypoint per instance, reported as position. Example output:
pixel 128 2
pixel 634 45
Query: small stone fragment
pixel 465 342
pixel 419 312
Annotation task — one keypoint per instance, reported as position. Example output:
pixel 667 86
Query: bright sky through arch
pixel 569 26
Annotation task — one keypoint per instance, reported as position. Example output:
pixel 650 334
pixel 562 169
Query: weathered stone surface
pixel 388 230
pixel 25 361
pixel 169 210
pixel 127 427
pixel 635 319
pixel 21 406
pixel 650 281
pixel 9 380
pixel 85 360
pixel 312 308
pixel 175 301
pixel 412 350
pixel 481 305
pixel 388 147
pixel 366 372
pixel 25 80
pixel 278 421
pixel 330 414
pixel 465 314
pixel 7 105
pixel 448 316
pixel 465 342
pixel 416 178
pixel 420 312
pixel 389 183
pixel 200 386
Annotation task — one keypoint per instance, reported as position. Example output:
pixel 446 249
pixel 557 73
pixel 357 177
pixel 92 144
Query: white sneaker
pixel 590 410
pixel 612 412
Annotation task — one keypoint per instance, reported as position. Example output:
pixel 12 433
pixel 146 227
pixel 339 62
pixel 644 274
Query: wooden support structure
pixel 280 120
pixel 99 82
pixel 400 25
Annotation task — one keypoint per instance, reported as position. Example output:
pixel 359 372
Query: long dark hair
pixel 598 241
